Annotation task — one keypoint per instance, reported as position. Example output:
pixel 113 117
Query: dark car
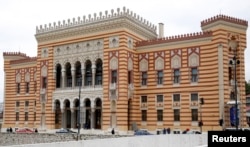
pixel 142 132
pixel 62 130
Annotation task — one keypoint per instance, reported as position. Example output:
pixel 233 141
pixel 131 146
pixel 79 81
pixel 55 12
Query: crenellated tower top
pixel 224 18
pixel 18 57
pixel 175 38
pixel 15 54
pixel 90 19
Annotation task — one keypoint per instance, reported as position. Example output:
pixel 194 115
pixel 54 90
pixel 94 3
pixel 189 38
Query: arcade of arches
pixel 67 113
pixel 74 74
pixel 69 77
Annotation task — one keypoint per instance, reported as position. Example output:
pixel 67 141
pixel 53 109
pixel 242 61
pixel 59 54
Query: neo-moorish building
pixel 127 76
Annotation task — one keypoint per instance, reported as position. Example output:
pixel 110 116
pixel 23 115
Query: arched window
pixel 98 76
pixel 68 75
pixel 57 112
pixel 58 75
pixel 88 74
pixel 78 74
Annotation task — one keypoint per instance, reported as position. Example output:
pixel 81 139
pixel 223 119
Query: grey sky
pixel 19 18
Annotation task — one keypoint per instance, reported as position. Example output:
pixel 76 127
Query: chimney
pixel 161 30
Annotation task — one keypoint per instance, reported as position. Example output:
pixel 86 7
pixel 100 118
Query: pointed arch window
pixel 88 74
pixel 78 74
pixel 58 75
pixel 68 75
pixel 98 76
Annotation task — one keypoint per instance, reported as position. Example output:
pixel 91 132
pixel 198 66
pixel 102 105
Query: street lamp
pixel 233 45
pixel 79 106
pixel 201 122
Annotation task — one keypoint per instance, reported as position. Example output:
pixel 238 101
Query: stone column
pixel 93 74
pixel 63 119
pixel 83 77
pixel 63 78
pixel 92 118
pixel 92 112
pixel 54 74
pixel 73 77
pixel 81 115
pixel 72 117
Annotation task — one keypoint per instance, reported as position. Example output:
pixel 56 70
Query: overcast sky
pixel 19 18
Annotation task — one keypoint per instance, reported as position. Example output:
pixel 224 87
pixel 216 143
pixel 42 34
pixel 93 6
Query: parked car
pixel 239 129
pixel 24 130
pixel 142 132
pixel 63 130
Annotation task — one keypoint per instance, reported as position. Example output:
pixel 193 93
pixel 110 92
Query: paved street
pixel 7 139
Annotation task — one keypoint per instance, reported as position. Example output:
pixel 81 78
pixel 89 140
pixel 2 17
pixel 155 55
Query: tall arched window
pixel 57 112
pixel 58 75
pixel 88 74
pixel 78 74
pixel 98 76
pixel 68 75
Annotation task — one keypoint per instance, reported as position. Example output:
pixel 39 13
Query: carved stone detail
pixel 193 60
pixel 79 47
pixel 114 63
pixel 44 52
pixel 130 43
pixel 143 65
pixel 159 64
pixel 114 42
pixel 176 62
pixel 18 78
pixel 80 51
pixel 27 77
pixel 130 64
pixel 44 71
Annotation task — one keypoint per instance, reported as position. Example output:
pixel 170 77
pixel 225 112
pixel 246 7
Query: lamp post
pixel 201 122
pixel 233 45
pixel 79 108
pixel 235 91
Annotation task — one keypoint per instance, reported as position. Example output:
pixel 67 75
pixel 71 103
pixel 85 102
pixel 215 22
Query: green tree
pixel 247 88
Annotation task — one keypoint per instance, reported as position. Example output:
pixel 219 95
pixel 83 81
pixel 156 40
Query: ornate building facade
pixel 127 76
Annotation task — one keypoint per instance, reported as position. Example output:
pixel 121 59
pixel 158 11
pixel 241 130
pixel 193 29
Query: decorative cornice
pixel 224 18
pixel 96 23
pixel 175 38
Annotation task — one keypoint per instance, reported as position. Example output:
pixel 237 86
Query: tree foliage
pixel 247 88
